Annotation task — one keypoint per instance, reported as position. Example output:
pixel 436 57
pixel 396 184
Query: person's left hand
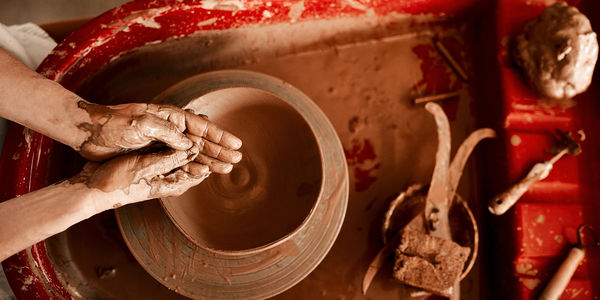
pixel 121 128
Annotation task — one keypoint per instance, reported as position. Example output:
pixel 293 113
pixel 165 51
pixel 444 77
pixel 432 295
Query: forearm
pixel 38 215
pixel 41 104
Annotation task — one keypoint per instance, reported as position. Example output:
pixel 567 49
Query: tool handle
pixel 504 201
pixel 561 278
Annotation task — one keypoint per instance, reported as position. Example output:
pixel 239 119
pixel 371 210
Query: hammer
pixel 504 201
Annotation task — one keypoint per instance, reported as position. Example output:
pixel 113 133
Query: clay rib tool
pixel 563 274
pixel 436 205
pixel 504 201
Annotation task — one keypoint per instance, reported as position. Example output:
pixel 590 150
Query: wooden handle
pixel 563 275
pixel 503 202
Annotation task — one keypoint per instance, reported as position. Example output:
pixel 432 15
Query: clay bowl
pixel 265 226
pixel 272 192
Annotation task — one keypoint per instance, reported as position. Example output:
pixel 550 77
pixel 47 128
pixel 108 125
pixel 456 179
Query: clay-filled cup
pixel 273 191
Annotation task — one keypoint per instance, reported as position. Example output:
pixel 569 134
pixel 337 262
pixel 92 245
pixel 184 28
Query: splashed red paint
pixel 438 77
pixel 361 152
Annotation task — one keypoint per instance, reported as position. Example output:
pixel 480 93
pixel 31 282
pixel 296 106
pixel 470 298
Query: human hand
pixel 136 177
pixel 121 128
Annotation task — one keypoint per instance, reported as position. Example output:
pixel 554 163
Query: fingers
pixel 162 130
pixel 202 127
pixel 216 151
pixel 150 165
pixel 170 113
pixel 214 165
pixel 179 181
pixel 196 169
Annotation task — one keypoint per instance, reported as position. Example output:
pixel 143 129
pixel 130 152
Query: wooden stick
pixel 435 97
pixel 563 275
pixel 453 63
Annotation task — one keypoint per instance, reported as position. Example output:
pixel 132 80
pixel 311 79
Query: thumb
pixel 161 130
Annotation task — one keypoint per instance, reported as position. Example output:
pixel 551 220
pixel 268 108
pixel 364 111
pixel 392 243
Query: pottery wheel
pixel 196 272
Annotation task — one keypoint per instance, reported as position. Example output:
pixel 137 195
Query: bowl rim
pixel 254 276
pixel 210 82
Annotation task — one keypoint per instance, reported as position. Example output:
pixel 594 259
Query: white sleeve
pixel 27 42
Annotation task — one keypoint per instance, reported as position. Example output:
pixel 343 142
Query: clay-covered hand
pixel 121 128
pixel 136 177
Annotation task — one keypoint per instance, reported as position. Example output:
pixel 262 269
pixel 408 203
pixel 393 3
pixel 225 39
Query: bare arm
pixel 126 179
pixel 100 132
pixel 41 104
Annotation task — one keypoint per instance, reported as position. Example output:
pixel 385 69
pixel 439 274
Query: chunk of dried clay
pixel 558 52
pixel 430 263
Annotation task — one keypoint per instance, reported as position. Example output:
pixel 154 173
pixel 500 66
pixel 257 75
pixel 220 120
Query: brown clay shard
pixel 430 263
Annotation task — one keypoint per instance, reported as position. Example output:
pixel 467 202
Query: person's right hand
pixel 145 176
pixel 118 129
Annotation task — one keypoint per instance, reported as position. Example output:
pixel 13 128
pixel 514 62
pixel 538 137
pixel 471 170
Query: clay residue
pixel 99 115
pixel 229 5
pixel 296 11
pixel 287 249
pixel 558 51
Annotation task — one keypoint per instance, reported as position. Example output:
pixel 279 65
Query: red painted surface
pixel 542 225
pixel 437 76
pixel 360 155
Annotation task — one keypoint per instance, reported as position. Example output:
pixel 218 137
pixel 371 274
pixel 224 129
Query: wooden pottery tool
pixel 563 274
pixel 504 201
pixel 428 209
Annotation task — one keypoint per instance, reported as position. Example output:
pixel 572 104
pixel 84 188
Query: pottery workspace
pixel 316 150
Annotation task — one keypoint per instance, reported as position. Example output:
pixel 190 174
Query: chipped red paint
pixel 361 152
pixel 438 77
pixel 364 178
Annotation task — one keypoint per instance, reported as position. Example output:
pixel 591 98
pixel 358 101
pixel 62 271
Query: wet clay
pixel 558 51
pixel 270 192
pixel 122 128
